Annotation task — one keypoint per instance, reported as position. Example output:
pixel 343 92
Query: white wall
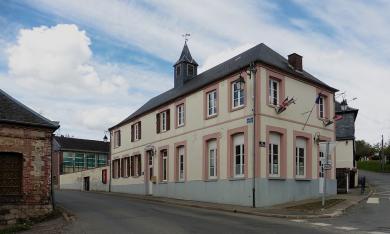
pixel 344 152
pixel 76 180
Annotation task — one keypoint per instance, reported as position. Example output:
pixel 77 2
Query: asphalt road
pixel 372 215
pixel 112 213
pixel 108 213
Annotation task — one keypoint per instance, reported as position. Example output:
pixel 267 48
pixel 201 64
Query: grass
pixel 373 165
pixel 27 224
pixel 317 205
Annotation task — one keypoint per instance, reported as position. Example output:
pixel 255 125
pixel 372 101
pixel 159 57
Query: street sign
pixel 327 166
pixel 249 120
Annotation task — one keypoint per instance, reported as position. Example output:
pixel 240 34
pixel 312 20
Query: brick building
pixel 25 161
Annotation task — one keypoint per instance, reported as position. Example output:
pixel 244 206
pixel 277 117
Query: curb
pixel 335 213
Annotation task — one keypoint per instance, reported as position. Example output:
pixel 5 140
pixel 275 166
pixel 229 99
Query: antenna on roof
pixel 186 37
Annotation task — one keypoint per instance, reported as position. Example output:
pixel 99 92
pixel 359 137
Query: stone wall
pixel 9 214
pixel 35 146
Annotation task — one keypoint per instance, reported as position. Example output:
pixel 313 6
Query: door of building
pixel 11 174
pixel 86 183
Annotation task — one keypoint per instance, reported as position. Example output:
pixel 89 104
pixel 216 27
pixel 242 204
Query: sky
pixel 89 64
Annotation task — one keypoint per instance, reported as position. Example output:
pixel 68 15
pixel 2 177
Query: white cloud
pixel 51 69
pixel 347 46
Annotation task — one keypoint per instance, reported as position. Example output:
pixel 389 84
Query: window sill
pixel 212 116
pixel 180 126
pixel 163 182
pixel 237 108
pixel 237 178
pixel 211 180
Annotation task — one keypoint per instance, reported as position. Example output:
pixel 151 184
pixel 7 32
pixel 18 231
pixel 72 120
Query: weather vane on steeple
pixel 186 36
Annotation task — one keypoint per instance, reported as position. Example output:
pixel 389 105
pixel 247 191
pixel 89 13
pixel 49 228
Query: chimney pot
pixel 295 60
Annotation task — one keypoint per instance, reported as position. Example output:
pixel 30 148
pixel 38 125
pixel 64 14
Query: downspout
pixel 253 71
pixel 110 162
pixel 51 168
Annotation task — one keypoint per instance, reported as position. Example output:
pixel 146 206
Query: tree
pixel 364 149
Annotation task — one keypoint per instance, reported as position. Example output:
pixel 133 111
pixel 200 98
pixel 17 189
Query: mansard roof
pixel 260 53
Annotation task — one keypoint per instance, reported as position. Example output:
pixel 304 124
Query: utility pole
pixel 325 172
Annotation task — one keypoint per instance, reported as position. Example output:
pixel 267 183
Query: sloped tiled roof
pixel 13 111
pixel 68 143
pixel 260 53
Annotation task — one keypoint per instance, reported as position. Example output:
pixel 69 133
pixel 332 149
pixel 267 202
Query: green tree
pixel 364 148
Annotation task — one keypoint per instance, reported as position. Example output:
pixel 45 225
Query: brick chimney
pixel 295 60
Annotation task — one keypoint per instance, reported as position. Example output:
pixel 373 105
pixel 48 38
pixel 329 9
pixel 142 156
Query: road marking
pixel 299 220
pixel 373 200
pixel 346 228
pixel 378 233
pixel 321 224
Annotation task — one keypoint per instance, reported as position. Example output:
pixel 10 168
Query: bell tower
pixel 185 68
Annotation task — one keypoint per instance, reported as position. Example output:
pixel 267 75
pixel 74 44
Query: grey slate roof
pixel 345 127
pixel 186 56
pixel 13 111
pixel 68 143
pixel 260 53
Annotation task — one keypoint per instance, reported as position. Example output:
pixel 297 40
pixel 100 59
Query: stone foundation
pixel 10 214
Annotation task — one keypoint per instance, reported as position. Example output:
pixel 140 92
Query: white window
pixel 181 162
pixel 321 106
pixel 273 92
pixel 274 154
pixel 212 103
pixel 164 155
pixel 117 138
pixel 300 156
pixel 180 115
pixel 212 156
pixel 239 155
pixel 238 94
pixel 163 123
pixel 137 131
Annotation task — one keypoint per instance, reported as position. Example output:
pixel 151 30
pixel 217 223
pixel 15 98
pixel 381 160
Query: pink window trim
pixel 160 174
pixel 230 150
pixel 230 81
pixel 278 77
pixel 309 153
pixel 181 102
pixel 176 160
pixel 205 91
pixel 283 150
pixel 327 97
pixel 206 139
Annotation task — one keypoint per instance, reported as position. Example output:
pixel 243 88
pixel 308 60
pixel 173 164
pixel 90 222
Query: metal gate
pixel 11 174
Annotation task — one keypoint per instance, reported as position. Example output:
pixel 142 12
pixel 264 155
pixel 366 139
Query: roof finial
pixel 186 36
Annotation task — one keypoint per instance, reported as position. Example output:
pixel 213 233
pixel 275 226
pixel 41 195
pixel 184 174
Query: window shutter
pixel 139 165
pixel 119 138
pixel 158 123
pixel 168 120
pixel 139 130
pixel 122 169
pixel 132 133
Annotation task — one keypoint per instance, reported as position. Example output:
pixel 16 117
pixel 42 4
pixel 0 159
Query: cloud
pixel 52 70
pixel 345 46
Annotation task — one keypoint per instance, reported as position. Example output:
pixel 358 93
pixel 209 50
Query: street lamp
pixel 344 105
pixel 105 138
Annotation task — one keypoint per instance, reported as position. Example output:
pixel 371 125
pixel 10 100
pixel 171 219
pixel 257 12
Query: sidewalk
pixel 306 209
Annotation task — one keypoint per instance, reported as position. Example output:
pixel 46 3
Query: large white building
pixel 233 134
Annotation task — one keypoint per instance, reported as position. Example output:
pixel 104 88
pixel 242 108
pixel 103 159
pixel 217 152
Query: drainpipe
pixel 51 168
pixel 110 163
pixel 252 70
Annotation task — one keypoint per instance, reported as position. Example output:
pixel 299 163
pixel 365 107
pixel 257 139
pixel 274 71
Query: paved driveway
pixel 109 213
